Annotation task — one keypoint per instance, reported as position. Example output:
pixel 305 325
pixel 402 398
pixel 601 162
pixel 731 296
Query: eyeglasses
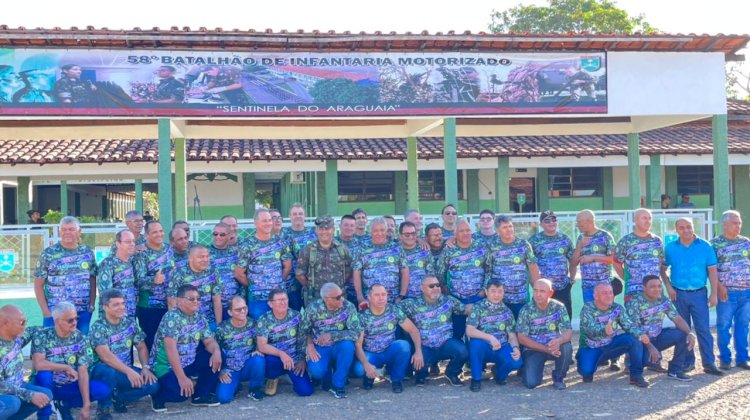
pixel 409 234
pixel 222 234
pixel 433 285
pixel 280 300
pixel 240 309
pixel 339 297
pixel 486 219
pixel 549 220
pixel 276 218
pixel 71 321
pixel 450 213
pixel 191 298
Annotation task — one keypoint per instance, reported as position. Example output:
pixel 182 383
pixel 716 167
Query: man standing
pixel 134 223
pixel 449 214
pixel 545 332
pixel 169 90
pixel 692 260
pixel 381 262
pixel 236 338
pixel 297 236
pixel 278 222
pixel 119 271
pixel 347 230
pixel 418 259
pixel 486 234
pixel 390 223
pixel 60 357
pixel 177 356
pixel 112 339
pixel 152 287
pixel 492 332
pixel 413 216
pixel 377 345
pixel 640 252
pixel 323 261
pixel 18 399
pixel 332 326
pixel 512 261
pixel 609 333
pixel 462 270
pixel 553 251
pixel 594 252
pixel 203 276
pixel 431 313
pixel 434 236
pixel 647 312
pixel 360 217
pixel 733 256
pixel 262 265
pixel 178 239
pixel 66 272
pixel 234 229
pixel 281 338
pixel 685 202
pixel 223 258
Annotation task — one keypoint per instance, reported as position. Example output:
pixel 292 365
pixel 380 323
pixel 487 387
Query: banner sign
pixel 121 83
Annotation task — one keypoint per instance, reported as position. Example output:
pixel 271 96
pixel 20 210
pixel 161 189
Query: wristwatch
pixel 146 366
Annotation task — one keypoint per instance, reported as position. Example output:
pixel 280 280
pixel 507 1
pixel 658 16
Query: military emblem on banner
pixel 7 260
pixel 591 63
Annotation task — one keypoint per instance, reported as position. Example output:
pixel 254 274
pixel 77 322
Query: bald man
pixel 594 252
pixel 18 399
pixel 638 254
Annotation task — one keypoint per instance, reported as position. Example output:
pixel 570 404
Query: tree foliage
pixel 738 81
pixel 343 91
pixel 594 16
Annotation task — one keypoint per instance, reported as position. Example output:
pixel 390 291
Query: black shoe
pixel 639 381
pixel 559 385
pixel 103 413
pixel 743 365
pixel 119 407
pixel 725 365
pixel 157 405
pixel 367 383
pixel 475 385
pixel 63 410
pixel 680 376
pixel 656 368
pixel 207 401
pixel 339 393
pixel 588 379
pixel 256 394
pixel 614 366
pixel 454 380
pixel 397 387
pixel 419 381
pixel 500 382
pixel 689 369
pixel 711 370
pixel 325 386
pixel 434 369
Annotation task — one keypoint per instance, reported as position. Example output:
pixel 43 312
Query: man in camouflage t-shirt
pixel 119 271
pixel 200 273
pixel 638 254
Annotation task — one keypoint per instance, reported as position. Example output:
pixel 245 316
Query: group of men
pixel 301 302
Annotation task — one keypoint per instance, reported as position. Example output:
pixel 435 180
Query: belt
pixel 702 289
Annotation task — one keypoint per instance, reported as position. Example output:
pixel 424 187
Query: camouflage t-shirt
pixel 67 274
pixel 11 365
pixel 434 320
pixel 543 326
pixel 601 244
pixel 381 264
pixel 553 255
pixel 342 323
pixel 380 330
pixel 495 320
pixel 420 266
pixel 262 261
pixel 509 263
pixel 207 282
pixel 462 270
pixel 733 261
pixel 649 315
pixel 72 351
pixel 138 242
pixel 237 344
pixel 594 322
pixel 186 330
pixel 151 295
pixel 224 261
pixel 118 274
pixel 486 240
pixel 120 338
pixel 285 334
pixel 641 257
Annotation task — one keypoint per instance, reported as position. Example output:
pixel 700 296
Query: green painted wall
pixel 375 207
pixel 576 204
pixel 217 212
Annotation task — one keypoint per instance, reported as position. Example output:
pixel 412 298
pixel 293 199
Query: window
pixel 695 179
pixel 432 185
pixel 575 182
pixel 365 186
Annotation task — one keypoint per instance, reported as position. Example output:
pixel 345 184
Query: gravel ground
pixel 609 396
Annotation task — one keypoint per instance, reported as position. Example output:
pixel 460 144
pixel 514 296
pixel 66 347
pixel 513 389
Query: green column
pixel 332 187
pixel 653 183
pixel 542 189
pixel 248 195
pixel 412 175
pixel 721 164
pixel 399 192
pixel 502 185
pixel 741 182
pixel 165 175
pixel 23 204
pixel 139 195
pixel 472 191
pixel 634 171
pixel 64 207
pixel 451 165
pixel 180 176
pixel 608 189
pixel 670 181
pixel 320 184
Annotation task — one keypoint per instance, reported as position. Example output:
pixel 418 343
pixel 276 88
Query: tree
pixel 595 16
pixel 738 81
pixel 343 91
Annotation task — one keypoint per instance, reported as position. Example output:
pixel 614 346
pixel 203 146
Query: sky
pixel 671 16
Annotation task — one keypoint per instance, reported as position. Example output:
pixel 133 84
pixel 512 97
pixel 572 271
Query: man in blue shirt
pixel 691 260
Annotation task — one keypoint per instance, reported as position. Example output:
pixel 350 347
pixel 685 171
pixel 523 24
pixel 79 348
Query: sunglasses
pixel 450 213
pixel 222 234
pixel 277 218
pixel 339 297
pixel 241 309
pixel 486 219
pixel 409 234
pixel 191 298
pixel 549 220
pixel 433 285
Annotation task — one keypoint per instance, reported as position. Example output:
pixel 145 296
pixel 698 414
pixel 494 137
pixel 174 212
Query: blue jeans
pixel 396 356
pixel 480 352
pixel 588 358
pixel 459 321
pixel 295 297
pixel 169 386
pixel 70 393
pixel 338 357
pixel 14 408
pixel 301 384
pixel 253 371
pixel 453 350
pixel 118 382
pixel 563 296
pixel 735 310
pixel 693 308
pixel 149 320
pixel 588 294
pixel 256 308
pixel 670 337
pixel 533 365
pixel 84 320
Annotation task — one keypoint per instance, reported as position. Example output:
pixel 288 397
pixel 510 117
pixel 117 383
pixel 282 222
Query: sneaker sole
pixel 216 404
pixel 676 378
